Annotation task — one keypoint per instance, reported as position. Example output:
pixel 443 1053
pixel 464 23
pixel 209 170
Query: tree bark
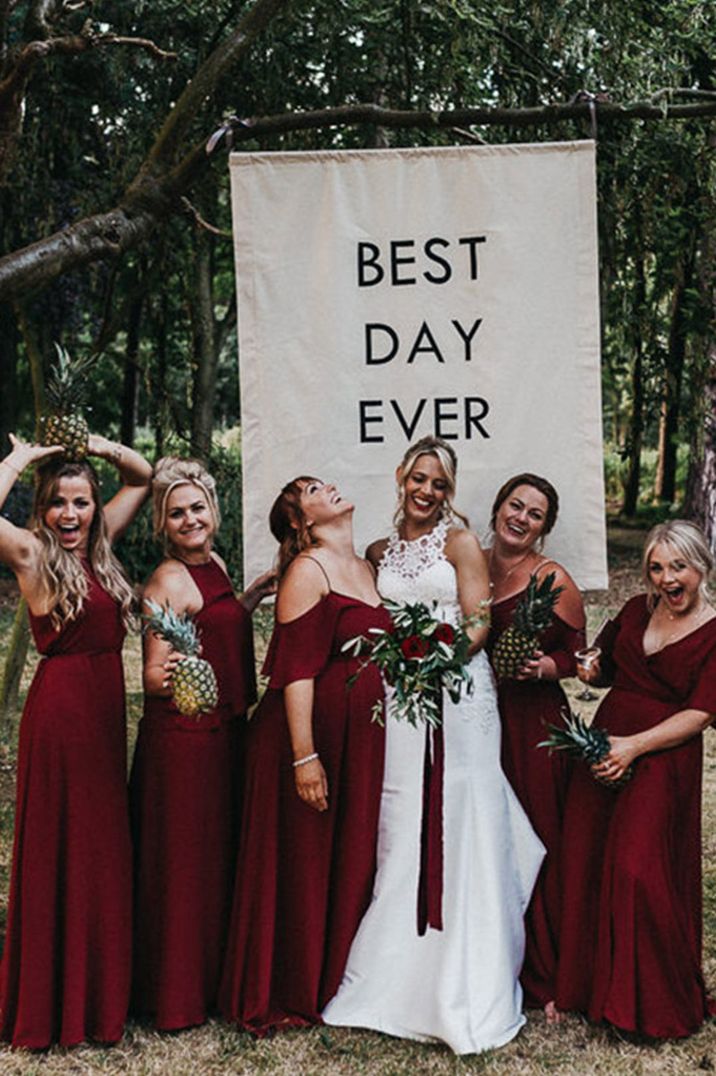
pixel 670 414
pixel 130 384
pixel 205 352
pixel 14 663
pixel 8 375
pixel 636 424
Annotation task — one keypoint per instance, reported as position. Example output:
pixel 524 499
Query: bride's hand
pixel 312 784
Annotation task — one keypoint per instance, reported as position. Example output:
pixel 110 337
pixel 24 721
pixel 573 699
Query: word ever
pixel 450 418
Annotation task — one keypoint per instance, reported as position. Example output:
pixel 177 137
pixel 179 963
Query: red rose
pixel 444 633
pixel 414 647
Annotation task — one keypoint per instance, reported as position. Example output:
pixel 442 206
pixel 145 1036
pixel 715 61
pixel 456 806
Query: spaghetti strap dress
pixel 540 780
pixel 66 964
pixel 457 984
pixel 304 878
pixel 630 945
pixel 184 795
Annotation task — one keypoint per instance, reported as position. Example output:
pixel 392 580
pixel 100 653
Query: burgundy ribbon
pixel 430 879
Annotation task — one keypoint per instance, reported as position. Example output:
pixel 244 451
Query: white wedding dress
pixel 459 985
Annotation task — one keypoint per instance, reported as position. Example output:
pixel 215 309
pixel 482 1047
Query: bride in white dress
pixel 458 985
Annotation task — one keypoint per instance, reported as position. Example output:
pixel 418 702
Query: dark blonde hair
pixel 63 577
pixel 686 540
pixel 172 472
pixel 288 522
pixel 446 457
pixel 542 485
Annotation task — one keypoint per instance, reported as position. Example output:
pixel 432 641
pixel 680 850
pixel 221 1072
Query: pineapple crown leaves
pixel 534 611
pixel 67 385
pixel 577 737
pixel 179 630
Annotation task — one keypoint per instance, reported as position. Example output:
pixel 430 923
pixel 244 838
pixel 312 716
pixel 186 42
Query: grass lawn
pixel 571 1049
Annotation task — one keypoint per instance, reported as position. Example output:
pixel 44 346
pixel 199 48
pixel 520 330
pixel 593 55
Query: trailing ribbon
pixel 430 879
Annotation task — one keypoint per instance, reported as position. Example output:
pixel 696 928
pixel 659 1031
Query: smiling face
pixel 189 525
pixel 676 582
pixel 425 492
pixel 321 502
pixel 520 519
pixel 70 512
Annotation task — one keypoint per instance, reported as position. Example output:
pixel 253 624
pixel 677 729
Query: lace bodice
pixel 420 571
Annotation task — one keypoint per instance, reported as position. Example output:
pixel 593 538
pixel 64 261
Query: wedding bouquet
pixel 418 656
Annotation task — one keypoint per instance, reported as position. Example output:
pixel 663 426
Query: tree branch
pixel 31 54
pixel 163 180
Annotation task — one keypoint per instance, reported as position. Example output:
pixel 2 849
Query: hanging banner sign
pixel 388 294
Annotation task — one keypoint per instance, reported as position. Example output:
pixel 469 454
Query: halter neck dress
pixel 185 796
pixel 66 963
pixel 459 985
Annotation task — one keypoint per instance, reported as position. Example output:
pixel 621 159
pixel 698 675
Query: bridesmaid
pixel 523 514
pixel 66 965
pixel 313 775
pixel 630 946
pixel 184 787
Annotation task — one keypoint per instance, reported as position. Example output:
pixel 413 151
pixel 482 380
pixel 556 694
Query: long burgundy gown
pixel 630 946
pixel 66 965
pixel 184 794
pixel 540 781
pixel 304 878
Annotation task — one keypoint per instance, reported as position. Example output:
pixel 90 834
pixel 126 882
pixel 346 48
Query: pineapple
pixel 66 389
pixel 590 743
pixel 194 687
pixel 532 616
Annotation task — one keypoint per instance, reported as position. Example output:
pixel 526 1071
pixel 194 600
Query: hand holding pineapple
pixel 192 680
pixel 23 454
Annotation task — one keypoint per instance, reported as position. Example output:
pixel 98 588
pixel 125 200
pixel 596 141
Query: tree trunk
pixel 636 422
pixel 14 663
pixel 206 359
pixel 130 384
pixel 8 376
pixel 665 484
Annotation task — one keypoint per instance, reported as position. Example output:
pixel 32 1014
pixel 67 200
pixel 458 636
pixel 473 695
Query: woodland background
pixel 115 241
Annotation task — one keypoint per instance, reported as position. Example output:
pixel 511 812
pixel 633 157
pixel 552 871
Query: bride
pixel 437 958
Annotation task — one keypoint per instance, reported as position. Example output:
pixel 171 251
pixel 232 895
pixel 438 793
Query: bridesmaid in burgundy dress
pixel 630 946
pixel 66 964
pixel 184 789
pixel 524 512
pixel 314 771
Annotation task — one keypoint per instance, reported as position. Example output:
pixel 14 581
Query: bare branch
pixel 39 17
pixel 31 54
pixel 201 223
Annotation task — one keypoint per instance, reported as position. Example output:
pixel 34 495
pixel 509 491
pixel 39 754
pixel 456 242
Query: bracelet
pixel 13 469
pixel 303 761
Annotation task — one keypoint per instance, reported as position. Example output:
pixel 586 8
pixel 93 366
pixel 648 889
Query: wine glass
pixel 585 660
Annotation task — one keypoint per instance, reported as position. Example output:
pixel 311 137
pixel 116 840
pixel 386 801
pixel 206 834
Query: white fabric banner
pixel 388 294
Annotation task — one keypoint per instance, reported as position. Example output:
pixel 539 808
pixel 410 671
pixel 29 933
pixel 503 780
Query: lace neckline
pixel 410 557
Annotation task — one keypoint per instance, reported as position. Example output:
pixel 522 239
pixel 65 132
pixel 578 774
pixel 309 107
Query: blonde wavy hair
pixel 171 472
pixel 63 578
pixel 446 457
pixel 685 540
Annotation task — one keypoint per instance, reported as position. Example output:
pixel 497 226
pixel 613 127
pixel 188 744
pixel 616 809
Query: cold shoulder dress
pixel 304 878
pixel 630 946
pixel 66 964
pixel 185 790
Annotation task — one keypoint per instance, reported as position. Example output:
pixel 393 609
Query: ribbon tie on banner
pixel 430 879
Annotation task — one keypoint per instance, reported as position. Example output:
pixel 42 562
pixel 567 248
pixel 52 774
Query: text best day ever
pixel 406 263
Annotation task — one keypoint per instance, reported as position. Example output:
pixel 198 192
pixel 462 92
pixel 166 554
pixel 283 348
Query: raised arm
pixel 136 476
pixel 463 551
pixel 301 588
pixel 18 546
